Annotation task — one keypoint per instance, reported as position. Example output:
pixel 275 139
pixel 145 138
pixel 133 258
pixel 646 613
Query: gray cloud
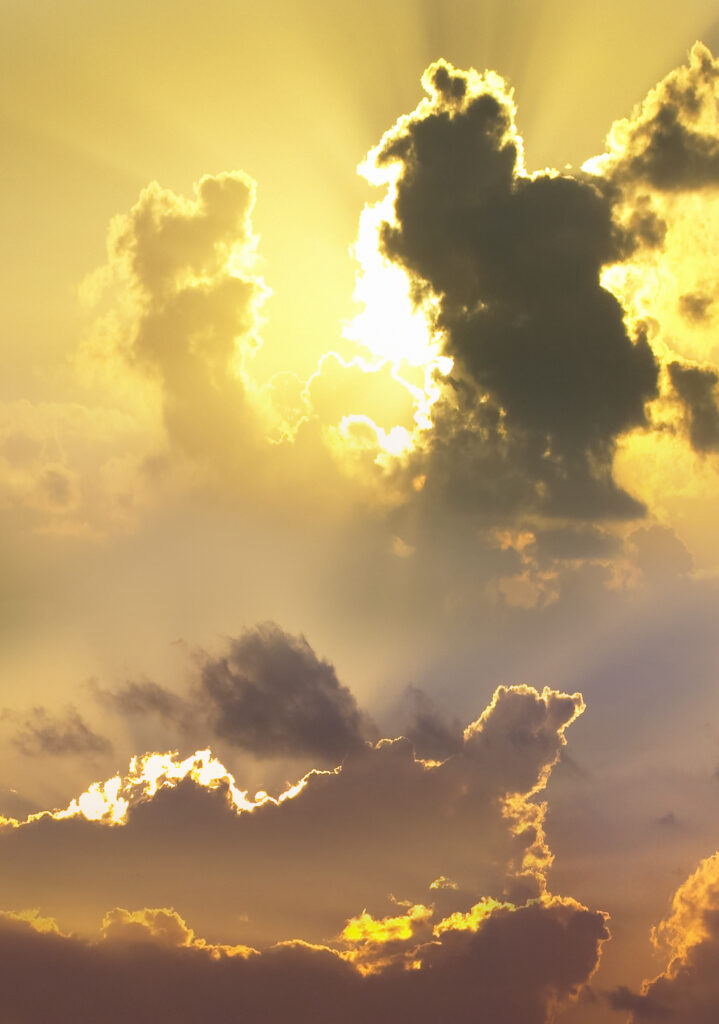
pixel 431 733
pixel 514 969
pixel 695 306
pixel 665 144
pixel 696 389
pixel 190 265
pixel 687 990
pixel 659 553
pixel 270 694
pixel 383 823
pixel 146 698
pixel 64 735
pixel 545 375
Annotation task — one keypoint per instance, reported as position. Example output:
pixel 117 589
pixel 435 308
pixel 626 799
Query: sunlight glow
pixel 109 802
pixel 391 325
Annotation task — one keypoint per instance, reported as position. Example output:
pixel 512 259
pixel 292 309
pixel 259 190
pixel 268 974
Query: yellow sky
pixel 235 459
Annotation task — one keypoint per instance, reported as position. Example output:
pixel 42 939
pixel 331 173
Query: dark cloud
pixel 668 820
pixel 146 698
pixel 687 990
pixel 696 389
pixel 643 1007
pixel 643 226
pixel 64 735
pixel 473 463
pixel 385 823
pixel 514 969
pixel 191 266
pixel 270 694
pixel 431 733
pixel 15 805
pixel 543 363
pixel 665 144
pixel 695 307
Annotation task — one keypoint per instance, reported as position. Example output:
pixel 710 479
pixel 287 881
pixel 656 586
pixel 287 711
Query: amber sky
pixel 331 501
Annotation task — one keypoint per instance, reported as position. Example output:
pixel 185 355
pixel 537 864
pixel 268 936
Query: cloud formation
pixel 270 694
pixel 146 698
pixel 545 377
pixel 511 966
pixel 670 142
pixel 384 823
pixel 696 389
pixel 687 990
pixel 190 268
pixel 65 735
pixel 432 734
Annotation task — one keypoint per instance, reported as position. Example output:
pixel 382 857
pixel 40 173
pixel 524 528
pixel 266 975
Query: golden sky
pixel 359 434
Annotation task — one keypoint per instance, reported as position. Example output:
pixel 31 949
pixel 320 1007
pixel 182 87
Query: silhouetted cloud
pixel 670 143
pixel 695 307
pixel 687 991
pixel 384 823
pixel 545 374
pixel 659 553
pixel 146 698
pixel 511 967
pixel 432 734
pixel 696 388
pixel 64 735
pixel 270 694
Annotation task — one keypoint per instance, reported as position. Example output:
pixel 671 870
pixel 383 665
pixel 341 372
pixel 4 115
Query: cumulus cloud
pixel 659 553
pixel 545 377
pixel 270 694
pixel 64 735
pixel 146 698
pixel 509 966
pixel 432 733
pixel 384 823
pixel 687 990
pixel 189 267
pixel 696 388
pixel 670 142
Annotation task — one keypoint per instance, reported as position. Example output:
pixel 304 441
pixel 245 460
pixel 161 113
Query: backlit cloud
pixel 687 990
pixel 545 375
pixel 38 733
pixel 189 299
pixel 384 823
pixel 517 965
pixel 271 695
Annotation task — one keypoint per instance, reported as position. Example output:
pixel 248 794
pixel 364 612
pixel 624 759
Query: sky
pixel 359 458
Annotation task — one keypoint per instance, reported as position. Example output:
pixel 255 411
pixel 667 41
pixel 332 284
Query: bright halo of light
pixel 394 329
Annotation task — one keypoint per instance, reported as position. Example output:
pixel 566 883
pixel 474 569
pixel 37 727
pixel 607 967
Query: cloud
pixel 191 294
pixel 669 143
pixel 516 965
pixel 67 735
pixel 146 698
pixel 696 389
pixel 432 734
pixel 687 990
pixel 659 553
pixel 270 694
pixel 507 265
pixel 384 823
